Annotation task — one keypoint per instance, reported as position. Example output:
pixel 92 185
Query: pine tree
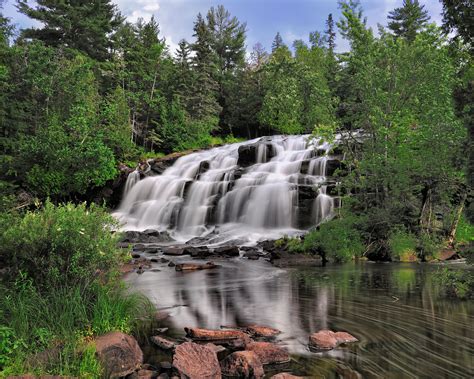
pixel 277 42
pixel 330 34
pixel 82 25
pixel 408 20
pixel 205 92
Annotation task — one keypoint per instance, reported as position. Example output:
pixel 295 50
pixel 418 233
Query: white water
pixel 262 202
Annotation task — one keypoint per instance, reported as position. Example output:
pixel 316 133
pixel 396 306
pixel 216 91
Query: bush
pixel 64 245
pixel 457 283
pixel 402 246
pixel 337 240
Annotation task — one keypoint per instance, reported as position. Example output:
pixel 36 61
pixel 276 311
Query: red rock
pixel 322 340
pixel 163 343
pixel 242 364
pixel 327 339
pixel 285 375
pixel 143 374
pixel 195 266
pixel 216 336
pixel 119 354
pixel 196 361
pixel 269 353
pixel 262 331
pixel 344 337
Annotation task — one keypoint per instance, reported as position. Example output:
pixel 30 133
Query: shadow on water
pixel 406 330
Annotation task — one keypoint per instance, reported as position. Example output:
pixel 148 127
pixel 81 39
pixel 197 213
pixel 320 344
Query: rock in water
pixel 196 361
pixel 328 340
pixel 269 353
pixel 242 364
pixel 199 334
pixel 194 266
pixel 119 354
pixel 285 375
pixel 262 331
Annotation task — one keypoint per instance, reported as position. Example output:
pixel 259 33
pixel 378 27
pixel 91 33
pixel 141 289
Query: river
pixel 405 327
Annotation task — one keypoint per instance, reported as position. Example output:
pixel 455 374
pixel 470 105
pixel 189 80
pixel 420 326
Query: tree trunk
pixel 457 217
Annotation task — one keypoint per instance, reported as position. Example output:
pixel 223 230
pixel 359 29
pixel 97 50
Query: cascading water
pixel 261 188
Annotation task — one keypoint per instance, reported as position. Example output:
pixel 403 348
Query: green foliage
pixel 458 283
pixel 68 244
pixel 408 20
pixel 464 231
pixel 336 240
pixel 402 245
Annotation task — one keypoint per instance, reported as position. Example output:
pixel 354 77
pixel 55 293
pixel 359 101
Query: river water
pixel 406 329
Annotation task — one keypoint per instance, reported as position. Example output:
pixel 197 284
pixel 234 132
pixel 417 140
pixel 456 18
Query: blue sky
pixel 294 19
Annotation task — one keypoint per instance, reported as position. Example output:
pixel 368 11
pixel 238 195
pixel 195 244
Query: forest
pixel 88 92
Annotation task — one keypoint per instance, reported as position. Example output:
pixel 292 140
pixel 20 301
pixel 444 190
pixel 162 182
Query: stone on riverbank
pixel 196 361
pixel 119 354
pixel 242 364
pixel 269 353
pixel 195 266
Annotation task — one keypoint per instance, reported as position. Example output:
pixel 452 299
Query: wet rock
pixel 195 266
pixel 119 354
pixel 227 251
pixel 196 361
pixel 147 236
pixel 164 260
pixel 166 366
pixel 262 331
pixel 203 167
pixel 163 343
pixel 135 255
pixel 448 254
pixel 307 192
pixel 242 364
pixel 336 150
pixel 331 166
pixel 174 251
pixel 247 155
pixel 344 337
pixel 199 252
pixel 269 353
pixel 219 350
pixel 285 375
pixel 322 340
pixel 252 255
pixel 171 264
pixel 328 340
pixel 217 336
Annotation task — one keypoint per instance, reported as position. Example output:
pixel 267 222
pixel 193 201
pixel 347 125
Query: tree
pixel 277 42
pixel 205 105
pixel 408 20
pixel 85 26
pixel 458 16
pixel 330 34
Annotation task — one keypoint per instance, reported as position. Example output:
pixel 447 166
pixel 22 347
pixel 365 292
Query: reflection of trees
pixel 394 309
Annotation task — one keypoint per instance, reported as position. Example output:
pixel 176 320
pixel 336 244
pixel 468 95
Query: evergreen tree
pixel 330 34
pixel 82 25
pixel 205 92
pixel 277 42
pixel 408 20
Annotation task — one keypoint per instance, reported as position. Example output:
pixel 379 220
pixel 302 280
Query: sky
pixel 294 19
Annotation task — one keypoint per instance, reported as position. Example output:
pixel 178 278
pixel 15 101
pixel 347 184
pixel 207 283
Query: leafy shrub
pixel 464 231
pixel 402 245
pixel 66 244
pixel 457 283
pixel 337 240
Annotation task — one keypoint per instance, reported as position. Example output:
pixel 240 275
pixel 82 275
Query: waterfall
pixel 245 190
pixel 132 179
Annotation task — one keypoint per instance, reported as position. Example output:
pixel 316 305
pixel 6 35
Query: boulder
pixel 196 361
pixel 227 251
pixel 247 155
pixel 216 336
pixel 328 340
pixel 147 236
pixel 252 255
pixel 173 251
pixel 195 266
pixel 199 252
pixel 143 374
pixel 269 353
pixel 262 331
pixel 119 354
pixel 242 364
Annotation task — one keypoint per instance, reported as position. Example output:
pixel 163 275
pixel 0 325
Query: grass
pixel 63 321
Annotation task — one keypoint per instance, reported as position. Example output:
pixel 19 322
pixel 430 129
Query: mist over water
pixel 209 191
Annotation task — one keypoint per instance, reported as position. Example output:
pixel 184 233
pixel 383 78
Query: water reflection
pixel 405 328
